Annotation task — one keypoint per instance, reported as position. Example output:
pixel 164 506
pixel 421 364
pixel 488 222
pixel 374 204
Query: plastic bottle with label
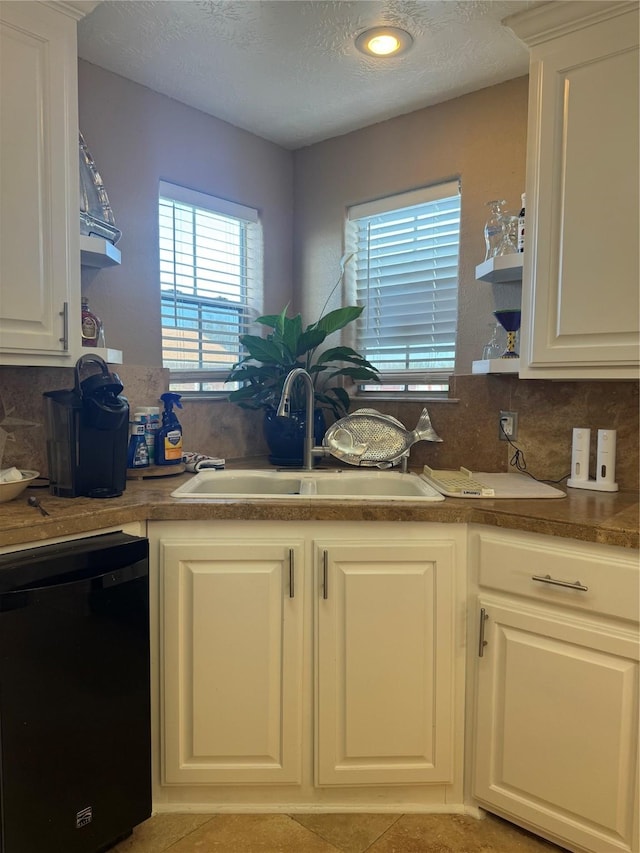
pixel 138 455
pixel 152 425
pixel 169 436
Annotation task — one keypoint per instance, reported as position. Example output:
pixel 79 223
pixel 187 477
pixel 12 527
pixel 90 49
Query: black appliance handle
pixel 96 383
pixel 81 362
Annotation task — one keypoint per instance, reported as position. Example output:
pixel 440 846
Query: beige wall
pixel 480 137
pixel 137 138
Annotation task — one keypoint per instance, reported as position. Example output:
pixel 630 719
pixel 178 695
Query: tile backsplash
pixel 21 390
pixel 467 422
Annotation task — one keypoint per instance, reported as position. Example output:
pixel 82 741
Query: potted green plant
pixel 288 345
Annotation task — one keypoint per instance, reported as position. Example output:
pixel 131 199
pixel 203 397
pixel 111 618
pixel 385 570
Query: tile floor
pixel 329 833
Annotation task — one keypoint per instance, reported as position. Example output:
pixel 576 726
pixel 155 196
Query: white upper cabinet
pixel 580 295
pixel 39 242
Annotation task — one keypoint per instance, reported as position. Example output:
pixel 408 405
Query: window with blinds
pixel 210 284
pixel 404 272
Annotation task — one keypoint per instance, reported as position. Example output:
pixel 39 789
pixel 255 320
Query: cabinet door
pixel 231 662
pixel 385 664
pixel 556 730
pixel 39 196
pixel 580 286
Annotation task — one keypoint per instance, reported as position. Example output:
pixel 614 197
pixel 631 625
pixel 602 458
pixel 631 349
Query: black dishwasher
pixel 75 745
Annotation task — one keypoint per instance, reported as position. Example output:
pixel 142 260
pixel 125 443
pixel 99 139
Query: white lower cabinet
pixel 231 662
pixel 321 666
pixel 385 666
pixel 302 663
pixel 555 728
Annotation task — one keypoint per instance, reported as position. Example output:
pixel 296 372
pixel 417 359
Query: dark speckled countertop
pixel 606 518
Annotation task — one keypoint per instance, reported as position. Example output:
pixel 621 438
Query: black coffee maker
pixel 87 435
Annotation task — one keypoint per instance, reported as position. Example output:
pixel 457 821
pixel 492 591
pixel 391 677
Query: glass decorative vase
pixel 494 228
pixel 508 244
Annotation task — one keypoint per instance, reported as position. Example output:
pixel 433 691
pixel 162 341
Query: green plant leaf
pixel 270 320
pixel 262 349
pixel 273 320
pixel 344 354
pixel 251 372
pixel 246 371
pixel 337 400
pixel 324 400
pixel 339 318
pixel 342 398
pixel 240 362
pixel 291 332
pixel 309 340
pixel 356 373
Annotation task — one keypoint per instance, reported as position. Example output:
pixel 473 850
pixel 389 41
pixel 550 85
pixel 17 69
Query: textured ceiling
pixel 288 70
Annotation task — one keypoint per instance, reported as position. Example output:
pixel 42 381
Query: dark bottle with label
pixel 92 329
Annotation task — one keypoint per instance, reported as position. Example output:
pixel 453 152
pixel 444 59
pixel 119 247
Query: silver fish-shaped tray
pixel 367 437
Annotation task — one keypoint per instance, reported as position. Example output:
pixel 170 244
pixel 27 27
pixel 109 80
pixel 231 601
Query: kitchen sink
pixel 320 485
pixel 375 484
pixel 216 484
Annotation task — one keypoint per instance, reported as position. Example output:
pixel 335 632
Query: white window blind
pixel 210 283
pixel 405 274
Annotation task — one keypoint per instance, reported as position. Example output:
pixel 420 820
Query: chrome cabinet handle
pixel 64 340
pixel 325 575
pixel 548 579
pixel 292 590
pixel 481 640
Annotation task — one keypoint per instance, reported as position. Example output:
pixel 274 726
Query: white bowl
pixel 9 491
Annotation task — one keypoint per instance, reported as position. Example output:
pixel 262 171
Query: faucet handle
pixel 284 407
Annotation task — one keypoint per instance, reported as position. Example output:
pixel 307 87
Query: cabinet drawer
pixel 599 579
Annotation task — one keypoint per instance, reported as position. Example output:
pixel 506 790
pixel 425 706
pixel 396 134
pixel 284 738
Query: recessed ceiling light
pixel 384 41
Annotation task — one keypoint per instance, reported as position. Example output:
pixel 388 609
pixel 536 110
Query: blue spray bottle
pixel 169 436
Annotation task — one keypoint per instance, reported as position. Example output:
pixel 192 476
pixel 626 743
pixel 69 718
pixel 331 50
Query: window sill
pixel 364 401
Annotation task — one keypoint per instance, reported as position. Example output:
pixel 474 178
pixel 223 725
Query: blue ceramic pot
pixel 285 436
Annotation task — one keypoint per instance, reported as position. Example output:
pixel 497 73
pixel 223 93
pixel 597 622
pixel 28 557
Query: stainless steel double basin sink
pixel 297 485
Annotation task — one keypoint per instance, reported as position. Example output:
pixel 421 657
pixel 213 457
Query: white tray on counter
pixel 481 484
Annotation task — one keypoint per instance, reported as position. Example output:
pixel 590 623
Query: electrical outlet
pixel 508 426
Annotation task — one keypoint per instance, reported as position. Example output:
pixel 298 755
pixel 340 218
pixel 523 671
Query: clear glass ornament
pixel 493 348
pixel 494 228
pixel 509 241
